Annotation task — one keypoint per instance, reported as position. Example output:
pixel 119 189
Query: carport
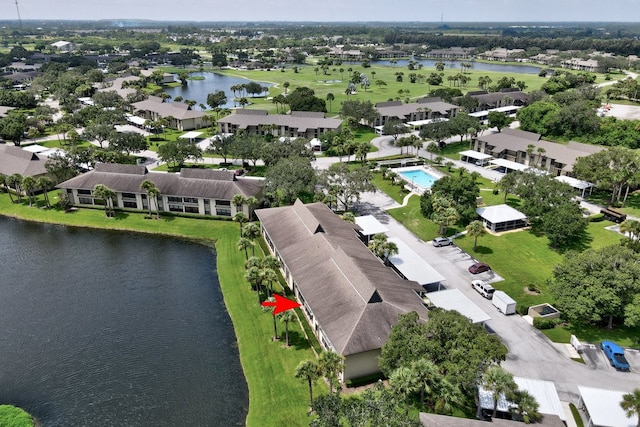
pixel 502 218
pixel 544 391
pixel 191 136
pixel 453 299
pixel 411 266
pixel 369 227
pixel 578 184
pixel 475 157
pixel 603 408
pixel 508 165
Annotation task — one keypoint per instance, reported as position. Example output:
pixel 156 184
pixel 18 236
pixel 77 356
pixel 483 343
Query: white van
pixel 483 288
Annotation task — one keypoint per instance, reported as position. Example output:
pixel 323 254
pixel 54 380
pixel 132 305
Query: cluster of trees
pixel 452 200
pixel 562 80
pixel 615 169
pixel 625 89
pixel 599 286
pixel 17 99
pixel 549 204
pixel 28 185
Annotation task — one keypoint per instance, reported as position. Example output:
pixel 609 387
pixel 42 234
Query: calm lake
pixel 102 328
pixel 430 65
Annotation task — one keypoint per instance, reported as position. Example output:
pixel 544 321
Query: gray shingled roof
pixel 435 420
pixel 295 120
pixel 517 140
pixel 185 184
pixel 166 109
pixel 404 110
pixel 354 297
pixel 16 160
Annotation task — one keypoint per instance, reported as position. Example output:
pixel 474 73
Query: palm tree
pixel 101 191
pixel 541 152
pixel 251 232
pixel 527 406
pixel 499 382
pixel 445 395
pixel 476 229
pixel 14 181
pixel 330 97
pixel 631 404
pixel 349 217
pixel 331 364
pixel 243 244
pixel 252 202
pixel 5 182
pixel 45 185
pixel 310 371
pixel 286 317
pixel 404 382
pixel 28 184
pixel 240 218
pixel 426 373
pixel 529 150
pixel 238 200
pixel 149 187
pixel 631 227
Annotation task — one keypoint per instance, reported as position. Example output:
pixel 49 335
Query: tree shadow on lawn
pixel 296 340
pixel 482 250
pixel 579 243
pixel 514 202
pixel 120 216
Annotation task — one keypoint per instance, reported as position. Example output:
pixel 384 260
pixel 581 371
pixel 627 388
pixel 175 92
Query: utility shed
pixel 502 218
pixel 412 266
pixel 603 408
pixel 453 299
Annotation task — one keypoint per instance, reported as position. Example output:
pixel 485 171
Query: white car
pixel 442 241
pixel 483 288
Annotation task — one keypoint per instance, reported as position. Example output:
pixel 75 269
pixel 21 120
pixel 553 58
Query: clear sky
pixel 327 10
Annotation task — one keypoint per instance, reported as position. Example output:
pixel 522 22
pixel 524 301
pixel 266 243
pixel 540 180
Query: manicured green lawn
pixel 275 397
pixel 11 416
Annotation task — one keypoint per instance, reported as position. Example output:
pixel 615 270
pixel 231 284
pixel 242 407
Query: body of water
pixel 198 90
pixel 102 328
pixel 430 65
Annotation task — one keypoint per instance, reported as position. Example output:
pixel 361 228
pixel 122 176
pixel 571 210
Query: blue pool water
pixel 419 177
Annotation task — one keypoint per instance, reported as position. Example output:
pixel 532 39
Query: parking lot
pixel 595 358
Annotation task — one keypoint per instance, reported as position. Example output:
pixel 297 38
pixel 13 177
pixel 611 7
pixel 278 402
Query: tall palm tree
pixel 6 182
pixel 631 227
pixel 251 232
pixel 101 191
pixel 286 317
pixel 243 244
pixel 238 200
pixel 45 184
pixel 14 181
pixel 526 406
pixel 631 404
pixel 476 229
pixel 330 98
pixel 498 382
pixel 404 382
pixel 427 374
pixel 150 188
pixel 28 184
pixel 331 364
pixel 240 218
pixel 310 371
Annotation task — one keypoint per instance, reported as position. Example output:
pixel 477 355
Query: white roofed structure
pixel 453 299
pixel 412 266
pixel 35 148
pixel 476 157
pixel 191 136
pixel 508 165
pixel 603 408
pixel 369 226
pixel 577 184
pixel 502 217
pixel 544 391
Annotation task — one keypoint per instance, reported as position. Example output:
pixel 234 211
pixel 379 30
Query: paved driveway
pixel 531 354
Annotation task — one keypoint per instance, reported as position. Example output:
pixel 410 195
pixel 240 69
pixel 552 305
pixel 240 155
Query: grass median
pixel 275 397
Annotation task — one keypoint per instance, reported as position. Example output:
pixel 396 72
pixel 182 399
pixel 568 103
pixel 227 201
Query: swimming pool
pixel 419 177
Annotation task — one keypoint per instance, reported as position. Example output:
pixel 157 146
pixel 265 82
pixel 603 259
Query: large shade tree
pixel 599 286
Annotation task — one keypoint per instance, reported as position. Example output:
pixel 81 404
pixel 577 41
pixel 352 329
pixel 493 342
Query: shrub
pixel 542 323
pixel 533 288
pixel 496 191
pixel 596 217
pixel 522 310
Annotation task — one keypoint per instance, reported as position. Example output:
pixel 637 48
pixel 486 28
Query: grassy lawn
pixel 275 397
pixel 396 192
pixel 523 258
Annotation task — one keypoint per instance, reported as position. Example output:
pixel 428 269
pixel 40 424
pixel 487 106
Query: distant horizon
pixel 427 11
pixel 443 22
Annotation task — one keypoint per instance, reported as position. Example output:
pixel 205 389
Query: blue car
pixel 615 354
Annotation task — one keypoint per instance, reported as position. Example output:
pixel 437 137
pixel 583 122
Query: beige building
pixel 179 115
pixel 298 124
pixel 350 298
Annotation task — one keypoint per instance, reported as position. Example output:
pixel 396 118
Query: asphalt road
pixel 531 353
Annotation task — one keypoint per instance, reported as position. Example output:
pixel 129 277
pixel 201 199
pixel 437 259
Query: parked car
pixel 442 241
pixel 615 354
pixel 479 267
pixel 483 288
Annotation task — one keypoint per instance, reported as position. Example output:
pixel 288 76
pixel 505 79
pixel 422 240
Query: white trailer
pixel 504 303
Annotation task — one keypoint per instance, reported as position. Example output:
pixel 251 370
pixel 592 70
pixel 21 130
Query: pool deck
pixel 412 186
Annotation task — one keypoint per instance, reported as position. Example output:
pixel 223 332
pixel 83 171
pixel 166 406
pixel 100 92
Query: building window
pixel 175 208
pixel 191 200
pixel 223 211
pixel 128 196
pixel 223 202
pixel 85 200
pixel 132 205
pixel 87 192
pixel 191 209
pixel 174 199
